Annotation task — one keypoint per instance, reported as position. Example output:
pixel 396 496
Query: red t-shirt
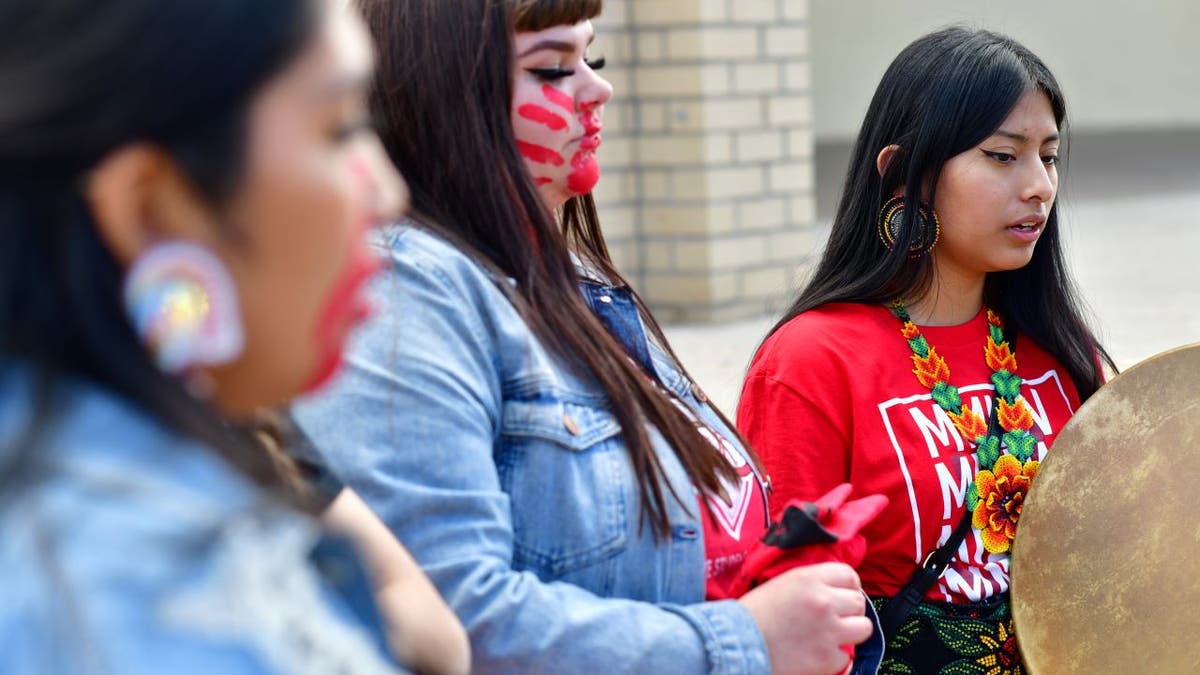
pixel 731 529
pixel 831 398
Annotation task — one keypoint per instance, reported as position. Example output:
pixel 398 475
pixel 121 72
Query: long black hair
pixel 944 94
pixel 446 65
pixel 78 80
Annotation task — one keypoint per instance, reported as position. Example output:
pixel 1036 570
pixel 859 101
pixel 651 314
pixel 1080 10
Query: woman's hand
pixel 806 614
pixel 422 631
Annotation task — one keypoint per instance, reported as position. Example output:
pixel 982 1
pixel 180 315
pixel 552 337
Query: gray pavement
pixel 1130 211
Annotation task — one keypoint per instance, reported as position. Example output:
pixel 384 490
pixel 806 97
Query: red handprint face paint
pixel 345 307
pixel 558 101
pixel 548 118
pixel 314 178
pixel 585 168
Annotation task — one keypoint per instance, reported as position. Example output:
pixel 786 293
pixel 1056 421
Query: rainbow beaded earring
pixel 891 220
pixel 184 307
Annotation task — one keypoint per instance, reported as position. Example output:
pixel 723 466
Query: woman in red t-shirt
pixel 896 369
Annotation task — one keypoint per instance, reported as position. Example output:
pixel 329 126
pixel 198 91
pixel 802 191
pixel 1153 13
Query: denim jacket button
pixel 571 426
pixel 606 299
pixel 699 393
pixel 686 532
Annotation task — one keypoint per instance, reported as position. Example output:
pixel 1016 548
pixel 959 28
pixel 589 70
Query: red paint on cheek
pixel 345 307
pixel 536 113
pixel 585 173
pixel 558 98
pixel 540 155
pixel 542 180
pixel 591 124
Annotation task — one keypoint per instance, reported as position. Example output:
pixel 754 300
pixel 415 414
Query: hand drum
pixel 1106 562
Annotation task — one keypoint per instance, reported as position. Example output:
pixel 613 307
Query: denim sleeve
pixel 412 425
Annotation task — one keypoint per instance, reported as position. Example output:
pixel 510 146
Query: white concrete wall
pixel 1122 65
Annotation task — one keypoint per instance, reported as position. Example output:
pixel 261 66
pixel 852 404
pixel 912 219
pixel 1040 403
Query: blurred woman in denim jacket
pixel 165 168
pixel 578 497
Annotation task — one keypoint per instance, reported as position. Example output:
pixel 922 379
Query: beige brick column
pixel 707 196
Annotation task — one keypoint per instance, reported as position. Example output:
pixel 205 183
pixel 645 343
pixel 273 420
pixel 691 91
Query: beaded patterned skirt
pixel 941 638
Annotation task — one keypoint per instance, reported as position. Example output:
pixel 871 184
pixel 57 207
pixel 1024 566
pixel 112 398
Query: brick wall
pixel 707 194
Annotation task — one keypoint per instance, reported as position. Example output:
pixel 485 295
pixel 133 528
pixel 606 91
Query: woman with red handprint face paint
pixel 580 500
pixel 186 192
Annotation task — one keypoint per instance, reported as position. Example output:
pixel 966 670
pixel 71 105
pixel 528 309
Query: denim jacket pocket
pixel 565 470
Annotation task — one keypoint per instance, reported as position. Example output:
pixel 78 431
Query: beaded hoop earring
pixel 891 219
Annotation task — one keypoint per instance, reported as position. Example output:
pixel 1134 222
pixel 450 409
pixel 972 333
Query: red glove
pixel 826 530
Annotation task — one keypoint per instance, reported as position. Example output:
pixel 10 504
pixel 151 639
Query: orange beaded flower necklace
pixel 1002 481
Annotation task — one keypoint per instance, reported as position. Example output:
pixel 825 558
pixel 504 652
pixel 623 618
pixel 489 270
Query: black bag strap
pixel 899 607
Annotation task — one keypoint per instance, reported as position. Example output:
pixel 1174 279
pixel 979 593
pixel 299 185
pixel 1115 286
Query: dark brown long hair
pixel 82 79
pixel 945 93
pixel 442 100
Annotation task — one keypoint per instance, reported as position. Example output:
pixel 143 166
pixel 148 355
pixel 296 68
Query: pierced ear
pixel 885 157
pixel 118 192
pixel 137 197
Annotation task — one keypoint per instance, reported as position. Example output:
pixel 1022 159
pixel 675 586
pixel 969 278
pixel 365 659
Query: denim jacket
pixel 504 473
pixel 131 550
